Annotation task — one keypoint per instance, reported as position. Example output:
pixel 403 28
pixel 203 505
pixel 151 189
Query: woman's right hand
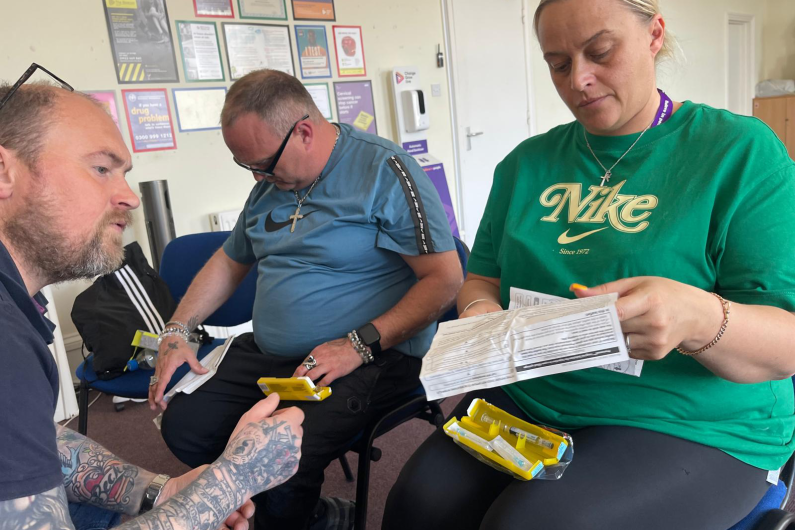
pixel 481 308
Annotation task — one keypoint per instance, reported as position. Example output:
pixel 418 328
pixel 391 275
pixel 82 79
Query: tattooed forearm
pixel 45 511
pixel 261 456
pixel 93 475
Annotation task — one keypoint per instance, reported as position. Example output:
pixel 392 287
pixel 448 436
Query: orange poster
pixel 313 10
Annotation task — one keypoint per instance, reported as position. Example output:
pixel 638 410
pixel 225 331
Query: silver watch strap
pixel 152 493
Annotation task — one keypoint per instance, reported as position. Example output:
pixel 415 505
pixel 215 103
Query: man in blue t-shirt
pixel 355 262
pixel 64 203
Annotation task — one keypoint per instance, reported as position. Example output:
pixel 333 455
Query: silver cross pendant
pixel 606 177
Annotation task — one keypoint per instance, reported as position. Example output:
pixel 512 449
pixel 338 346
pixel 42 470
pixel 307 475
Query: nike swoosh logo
pixel 565 239
pixel 273 226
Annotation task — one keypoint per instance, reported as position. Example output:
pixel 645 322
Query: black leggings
pixel 620 478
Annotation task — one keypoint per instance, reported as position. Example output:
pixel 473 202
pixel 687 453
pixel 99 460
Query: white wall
pixel 699 76
pixel 779 40
pixel 71 39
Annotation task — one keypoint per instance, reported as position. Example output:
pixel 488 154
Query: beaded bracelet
pixel 363 351
pixel 727 306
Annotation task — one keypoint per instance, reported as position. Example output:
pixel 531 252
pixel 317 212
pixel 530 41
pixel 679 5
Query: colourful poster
pixel 149 119
pixel 201 53
pixel 108 100
pixel 349 47
pixel 313 51
pixel 355 105
pixel 213 8
pixel 313 10
pixel 141 42
pixel 435 171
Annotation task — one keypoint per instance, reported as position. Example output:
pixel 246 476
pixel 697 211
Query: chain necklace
pixel 300 200
pixel 609 172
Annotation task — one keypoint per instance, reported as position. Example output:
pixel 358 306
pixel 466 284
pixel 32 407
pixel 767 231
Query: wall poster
pixel 355 105
pixel 349 48
pixel 252 47
pixel 149 119
pixel 141 41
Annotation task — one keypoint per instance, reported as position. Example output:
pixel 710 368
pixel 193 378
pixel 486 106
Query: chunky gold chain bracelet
pixel 727 306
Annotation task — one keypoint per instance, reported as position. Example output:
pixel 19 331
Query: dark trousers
pixel 620 478
pixel 196 427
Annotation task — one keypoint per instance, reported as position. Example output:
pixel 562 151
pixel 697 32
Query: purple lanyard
pixel 665 111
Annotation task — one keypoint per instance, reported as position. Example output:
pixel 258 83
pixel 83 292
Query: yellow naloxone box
pixel 504 440
pixel 293 388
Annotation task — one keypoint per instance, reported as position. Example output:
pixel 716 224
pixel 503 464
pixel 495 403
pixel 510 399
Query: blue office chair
pixel 412 406
pixel 182 259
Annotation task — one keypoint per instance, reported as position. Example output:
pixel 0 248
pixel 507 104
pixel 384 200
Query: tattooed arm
pixel 93 475
pixel 263 452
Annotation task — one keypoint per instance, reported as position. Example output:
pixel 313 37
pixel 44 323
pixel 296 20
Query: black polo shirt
pixel 29 462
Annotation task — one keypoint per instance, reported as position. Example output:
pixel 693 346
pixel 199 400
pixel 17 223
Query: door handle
pixel 471 134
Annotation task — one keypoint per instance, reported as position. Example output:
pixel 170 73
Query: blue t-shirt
pixel 341 268
pixel 29 462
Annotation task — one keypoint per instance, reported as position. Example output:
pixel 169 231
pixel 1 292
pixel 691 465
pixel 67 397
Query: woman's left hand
pixel 658 314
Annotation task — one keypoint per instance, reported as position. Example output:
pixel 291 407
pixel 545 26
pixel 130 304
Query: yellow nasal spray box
pixel 294 388
pixel 143 339
pixel 509 444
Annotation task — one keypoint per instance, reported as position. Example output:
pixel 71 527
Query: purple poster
pixel 149 119
pixel 435 171
pixel 355 105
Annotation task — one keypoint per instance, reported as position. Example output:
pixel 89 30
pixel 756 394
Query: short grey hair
pixel 279 99
pixel 25 118
pixel 645 10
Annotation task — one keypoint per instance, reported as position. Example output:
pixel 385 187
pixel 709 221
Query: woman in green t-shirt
pixel 686 213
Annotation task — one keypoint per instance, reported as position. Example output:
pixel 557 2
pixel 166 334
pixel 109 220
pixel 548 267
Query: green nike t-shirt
pixel 706 199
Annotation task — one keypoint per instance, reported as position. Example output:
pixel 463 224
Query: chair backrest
pixel 182 259
pixel 463 255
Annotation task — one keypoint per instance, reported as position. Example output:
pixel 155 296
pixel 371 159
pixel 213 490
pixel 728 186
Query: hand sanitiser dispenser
pixel 415 114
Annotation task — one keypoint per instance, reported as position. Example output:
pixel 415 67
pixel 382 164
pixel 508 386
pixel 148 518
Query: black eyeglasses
pixel 28 73
pixel 268 172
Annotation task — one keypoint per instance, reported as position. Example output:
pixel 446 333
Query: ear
pixel 657 34
pixel 7 173
pixel 306 131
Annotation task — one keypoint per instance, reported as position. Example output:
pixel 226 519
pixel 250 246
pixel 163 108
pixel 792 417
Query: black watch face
pixel 369 334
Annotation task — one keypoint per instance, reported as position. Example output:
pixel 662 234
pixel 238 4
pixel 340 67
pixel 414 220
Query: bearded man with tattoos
pixel 64 203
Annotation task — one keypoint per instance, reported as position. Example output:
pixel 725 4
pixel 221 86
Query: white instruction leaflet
pixel 525 298
pixel 501 348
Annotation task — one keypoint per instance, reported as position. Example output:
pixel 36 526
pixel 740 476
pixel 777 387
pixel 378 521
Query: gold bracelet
pixel 727 306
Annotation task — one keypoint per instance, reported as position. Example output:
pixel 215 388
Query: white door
pixel 487 60
pixel 740 64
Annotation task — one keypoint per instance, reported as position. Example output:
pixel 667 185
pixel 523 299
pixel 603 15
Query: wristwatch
pixel 152 493
pixel 370 337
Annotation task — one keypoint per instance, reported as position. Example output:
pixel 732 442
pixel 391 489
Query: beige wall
pixel 71 39
pixel 700 75
pixel 779 40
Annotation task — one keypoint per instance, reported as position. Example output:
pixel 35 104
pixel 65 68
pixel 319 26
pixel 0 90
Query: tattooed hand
pixel 264 451
pixel 172 354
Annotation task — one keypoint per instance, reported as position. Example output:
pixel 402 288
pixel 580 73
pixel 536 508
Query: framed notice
pixel 267 9
pixel 107 98
pixel 319 93
pixel 350 51
pixel 141 41
pixel 313 51
pixel 252 47
pixel 199 109
pixel 355 105
pixel 313 10
pixel 149 119
pixel 201 53
pixel 213 8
